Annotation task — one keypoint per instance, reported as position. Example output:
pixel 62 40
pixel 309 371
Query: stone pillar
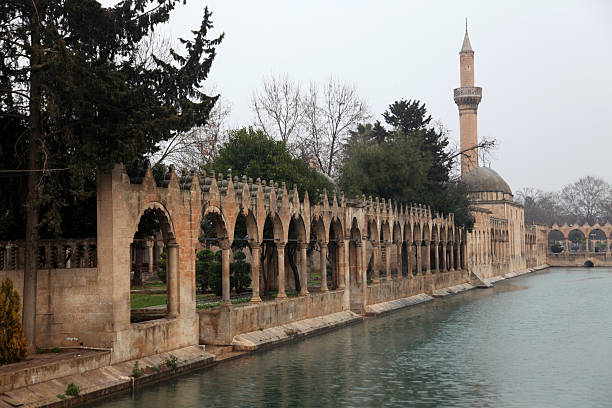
pixel 342 264
pixel 359 249
pixel 150 253
pixel 608 246
pixel 443 259
pixel 376 261
pixel 437 257
pixel 303 268
pixel 226 249
pixel 255 267
pixel 459 256
pixel 399 259
pixel 280 249
pixel 428 257
pixel 172 279
pixel 567 246
pixel 388 262
pixel 452 257
pixel 323 246
pixel 586 249
pixel 409 266
pixel 419 255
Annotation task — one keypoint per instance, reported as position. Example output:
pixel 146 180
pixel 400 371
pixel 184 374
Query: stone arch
pixel 556 241
pixel 336 252
pixel 167 226
pixel 597 240
pixel 577 240
pixel 152 220
pixel 356 278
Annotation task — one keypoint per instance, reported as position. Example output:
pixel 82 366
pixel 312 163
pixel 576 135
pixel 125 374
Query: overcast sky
pixel 545 68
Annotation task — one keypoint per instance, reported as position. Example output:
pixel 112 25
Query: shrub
pixel 73 390
pixel 13 345
pixel 161 267
pixel 171 362
pixel 240 277
pixel 556 248
pixel 205 259
pixel 137 371
pixel 56 349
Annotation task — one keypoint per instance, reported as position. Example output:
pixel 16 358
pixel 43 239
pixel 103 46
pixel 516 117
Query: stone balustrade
pixel 52 254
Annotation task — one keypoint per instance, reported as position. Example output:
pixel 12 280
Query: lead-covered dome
pixel 485 180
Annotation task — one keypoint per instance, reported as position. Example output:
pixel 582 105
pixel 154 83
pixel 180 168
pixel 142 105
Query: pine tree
pixel 13 345
pixel 76 98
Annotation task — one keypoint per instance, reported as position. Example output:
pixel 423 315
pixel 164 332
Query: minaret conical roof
pixel 466 47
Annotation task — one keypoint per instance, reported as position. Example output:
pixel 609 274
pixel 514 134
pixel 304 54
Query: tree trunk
pixel 34 186
pixel 291 256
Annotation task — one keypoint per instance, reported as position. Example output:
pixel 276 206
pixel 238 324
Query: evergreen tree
pixel 409 163
pixel 75 99
pixel 252 153
pixel 13 345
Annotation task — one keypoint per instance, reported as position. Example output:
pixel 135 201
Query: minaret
pixel 467 99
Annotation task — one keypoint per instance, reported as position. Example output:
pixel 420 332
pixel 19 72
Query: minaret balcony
pixel 468 95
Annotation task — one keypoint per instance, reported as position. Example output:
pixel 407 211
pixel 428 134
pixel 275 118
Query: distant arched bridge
pixel 580 245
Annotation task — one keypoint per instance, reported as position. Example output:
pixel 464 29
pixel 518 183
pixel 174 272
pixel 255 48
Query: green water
pixel 541 340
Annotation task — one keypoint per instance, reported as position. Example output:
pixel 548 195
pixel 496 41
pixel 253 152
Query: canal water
pixel 540 340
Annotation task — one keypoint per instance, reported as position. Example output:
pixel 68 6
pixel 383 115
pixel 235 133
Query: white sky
pixel 545 68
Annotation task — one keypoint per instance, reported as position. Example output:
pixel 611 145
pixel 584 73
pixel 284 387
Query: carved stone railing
pixel 52 254
pixel 468 95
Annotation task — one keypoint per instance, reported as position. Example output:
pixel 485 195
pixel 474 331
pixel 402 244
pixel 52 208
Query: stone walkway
pixel 101 382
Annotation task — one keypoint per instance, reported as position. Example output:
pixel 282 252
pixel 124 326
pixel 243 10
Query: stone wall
pixel 220 325
pixel 72 307
pixel 402 288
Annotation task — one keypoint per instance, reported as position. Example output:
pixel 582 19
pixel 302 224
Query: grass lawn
pixel 141 300
pixel 138 301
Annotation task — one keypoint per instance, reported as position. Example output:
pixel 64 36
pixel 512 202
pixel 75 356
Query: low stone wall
pixel 72 307
pixel 579 259
pixel 219 326
pixel 407 287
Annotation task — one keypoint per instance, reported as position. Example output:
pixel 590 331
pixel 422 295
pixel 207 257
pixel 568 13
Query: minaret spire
pixel 467 98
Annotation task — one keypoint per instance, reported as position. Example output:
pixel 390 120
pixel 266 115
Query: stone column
pixel 399 260
pixel 443 259
pixel 342 264
pixel 150 252
pixel 280 250
pixel 608 246
pixel 376 261
pixel 172 279
pixel 225 273
pixel 359 249
pixel 452 257
pixel 459 256
pixel 409 266
pixel 437 257
pixel 419 255
pixel 255 267
pixel 586 249
pixel 323 246
pixel 567 246
pixel 388 262
pixel 428 257
pixel 303 268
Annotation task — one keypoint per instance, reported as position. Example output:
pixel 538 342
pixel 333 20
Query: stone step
pixel 280 334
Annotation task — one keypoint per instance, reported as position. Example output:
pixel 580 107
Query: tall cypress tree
pixel 77 99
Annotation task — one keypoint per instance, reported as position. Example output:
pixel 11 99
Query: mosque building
pixel 499 240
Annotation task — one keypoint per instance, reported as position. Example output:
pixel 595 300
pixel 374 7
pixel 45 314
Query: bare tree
pixel 278 107
pixel 587 199
pixel 329 116
pixel 540 207
pixel 200 145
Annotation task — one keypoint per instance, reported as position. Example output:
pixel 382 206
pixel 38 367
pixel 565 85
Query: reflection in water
pixel 542 340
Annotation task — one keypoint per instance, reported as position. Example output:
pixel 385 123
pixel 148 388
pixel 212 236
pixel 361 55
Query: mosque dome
pixel 485 180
